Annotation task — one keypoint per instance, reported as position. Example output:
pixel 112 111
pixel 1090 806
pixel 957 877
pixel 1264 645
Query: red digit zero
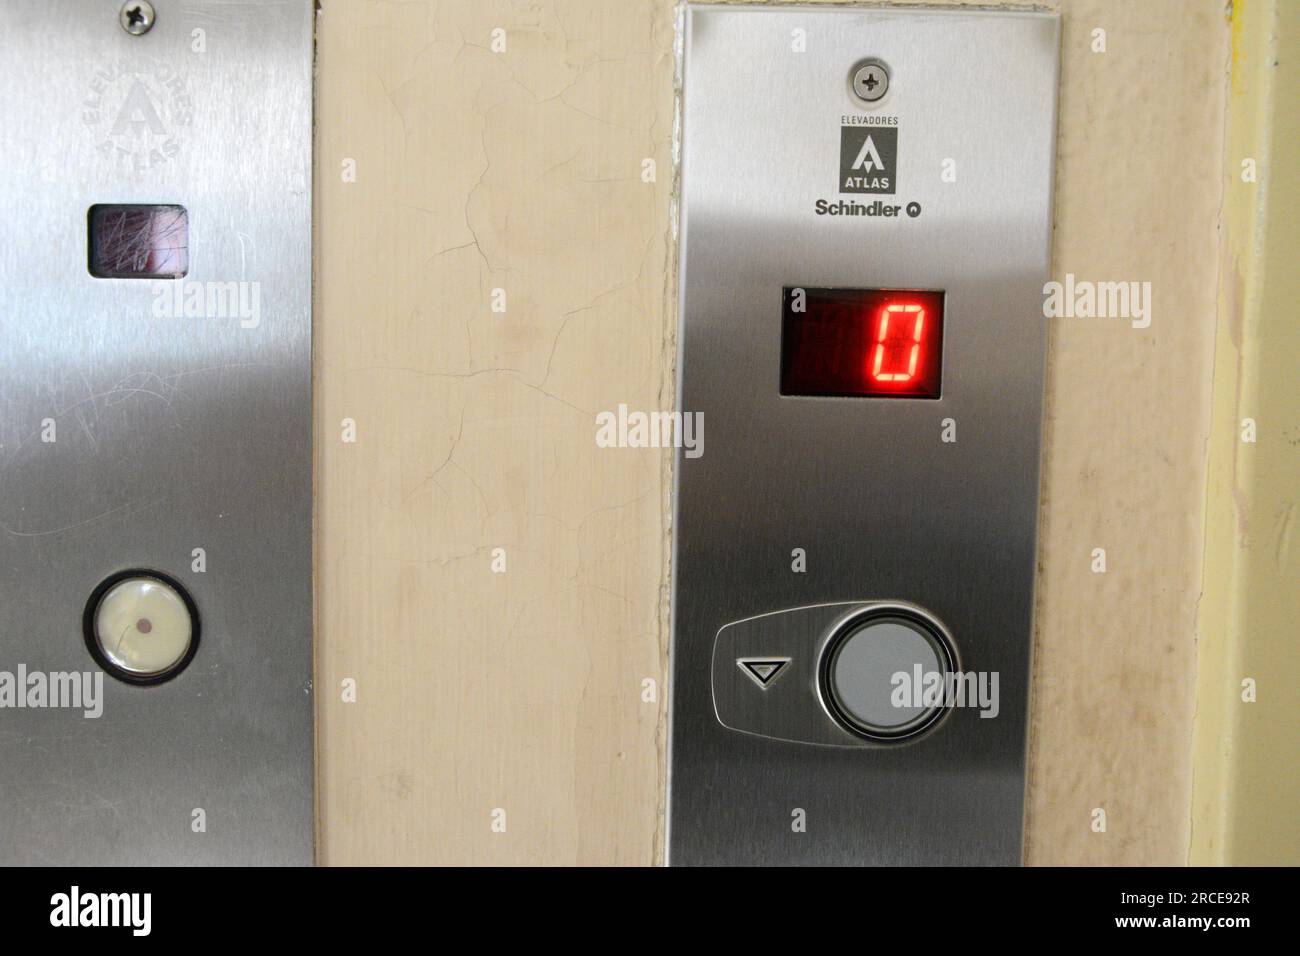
pixel 873 343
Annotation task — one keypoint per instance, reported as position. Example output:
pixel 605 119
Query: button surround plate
pixel 797 708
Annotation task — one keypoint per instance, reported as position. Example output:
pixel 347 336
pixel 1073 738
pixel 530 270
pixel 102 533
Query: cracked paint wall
pixel 477 171
pixel 452 178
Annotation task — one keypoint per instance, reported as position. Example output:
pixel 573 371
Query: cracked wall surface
pixel 522 171
pixel 476 171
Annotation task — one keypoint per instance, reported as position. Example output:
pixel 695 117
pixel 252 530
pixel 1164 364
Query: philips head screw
pixel 136 17
pixel 870 82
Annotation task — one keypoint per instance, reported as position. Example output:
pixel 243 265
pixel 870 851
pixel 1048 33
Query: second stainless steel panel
pixel 881 505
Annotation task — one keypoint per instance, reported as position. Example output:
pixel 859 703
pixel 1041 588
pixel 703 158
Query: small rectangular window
pixel 139 242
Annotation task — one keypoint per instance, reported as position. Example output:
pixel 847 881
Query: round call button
pixel 860 671
pixel 141 627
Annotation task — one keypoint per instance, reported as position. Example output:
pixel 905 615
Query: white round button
pixel 876 675
pixel 142 627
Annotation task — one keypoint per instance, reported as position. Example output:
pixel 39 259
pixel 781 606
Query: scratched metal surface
pixel 172 433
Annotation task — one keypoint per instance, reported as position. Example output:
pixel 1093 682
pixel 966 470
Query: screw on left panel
pixel 136 17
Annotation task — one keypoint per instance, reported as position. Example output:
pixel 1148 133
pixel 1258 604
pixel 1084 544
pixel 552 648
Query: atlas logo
pixel 136 113
pixel 868 159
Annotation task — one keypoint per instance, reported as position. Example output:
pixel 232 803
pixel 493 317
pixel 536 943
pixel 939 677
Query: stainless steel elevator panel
pixel 156 417
pixel 833 524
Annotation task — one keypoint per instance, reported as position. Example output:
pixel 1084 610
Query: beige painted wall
pixel 1138 187
pixel 522 171
pixel 476 171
